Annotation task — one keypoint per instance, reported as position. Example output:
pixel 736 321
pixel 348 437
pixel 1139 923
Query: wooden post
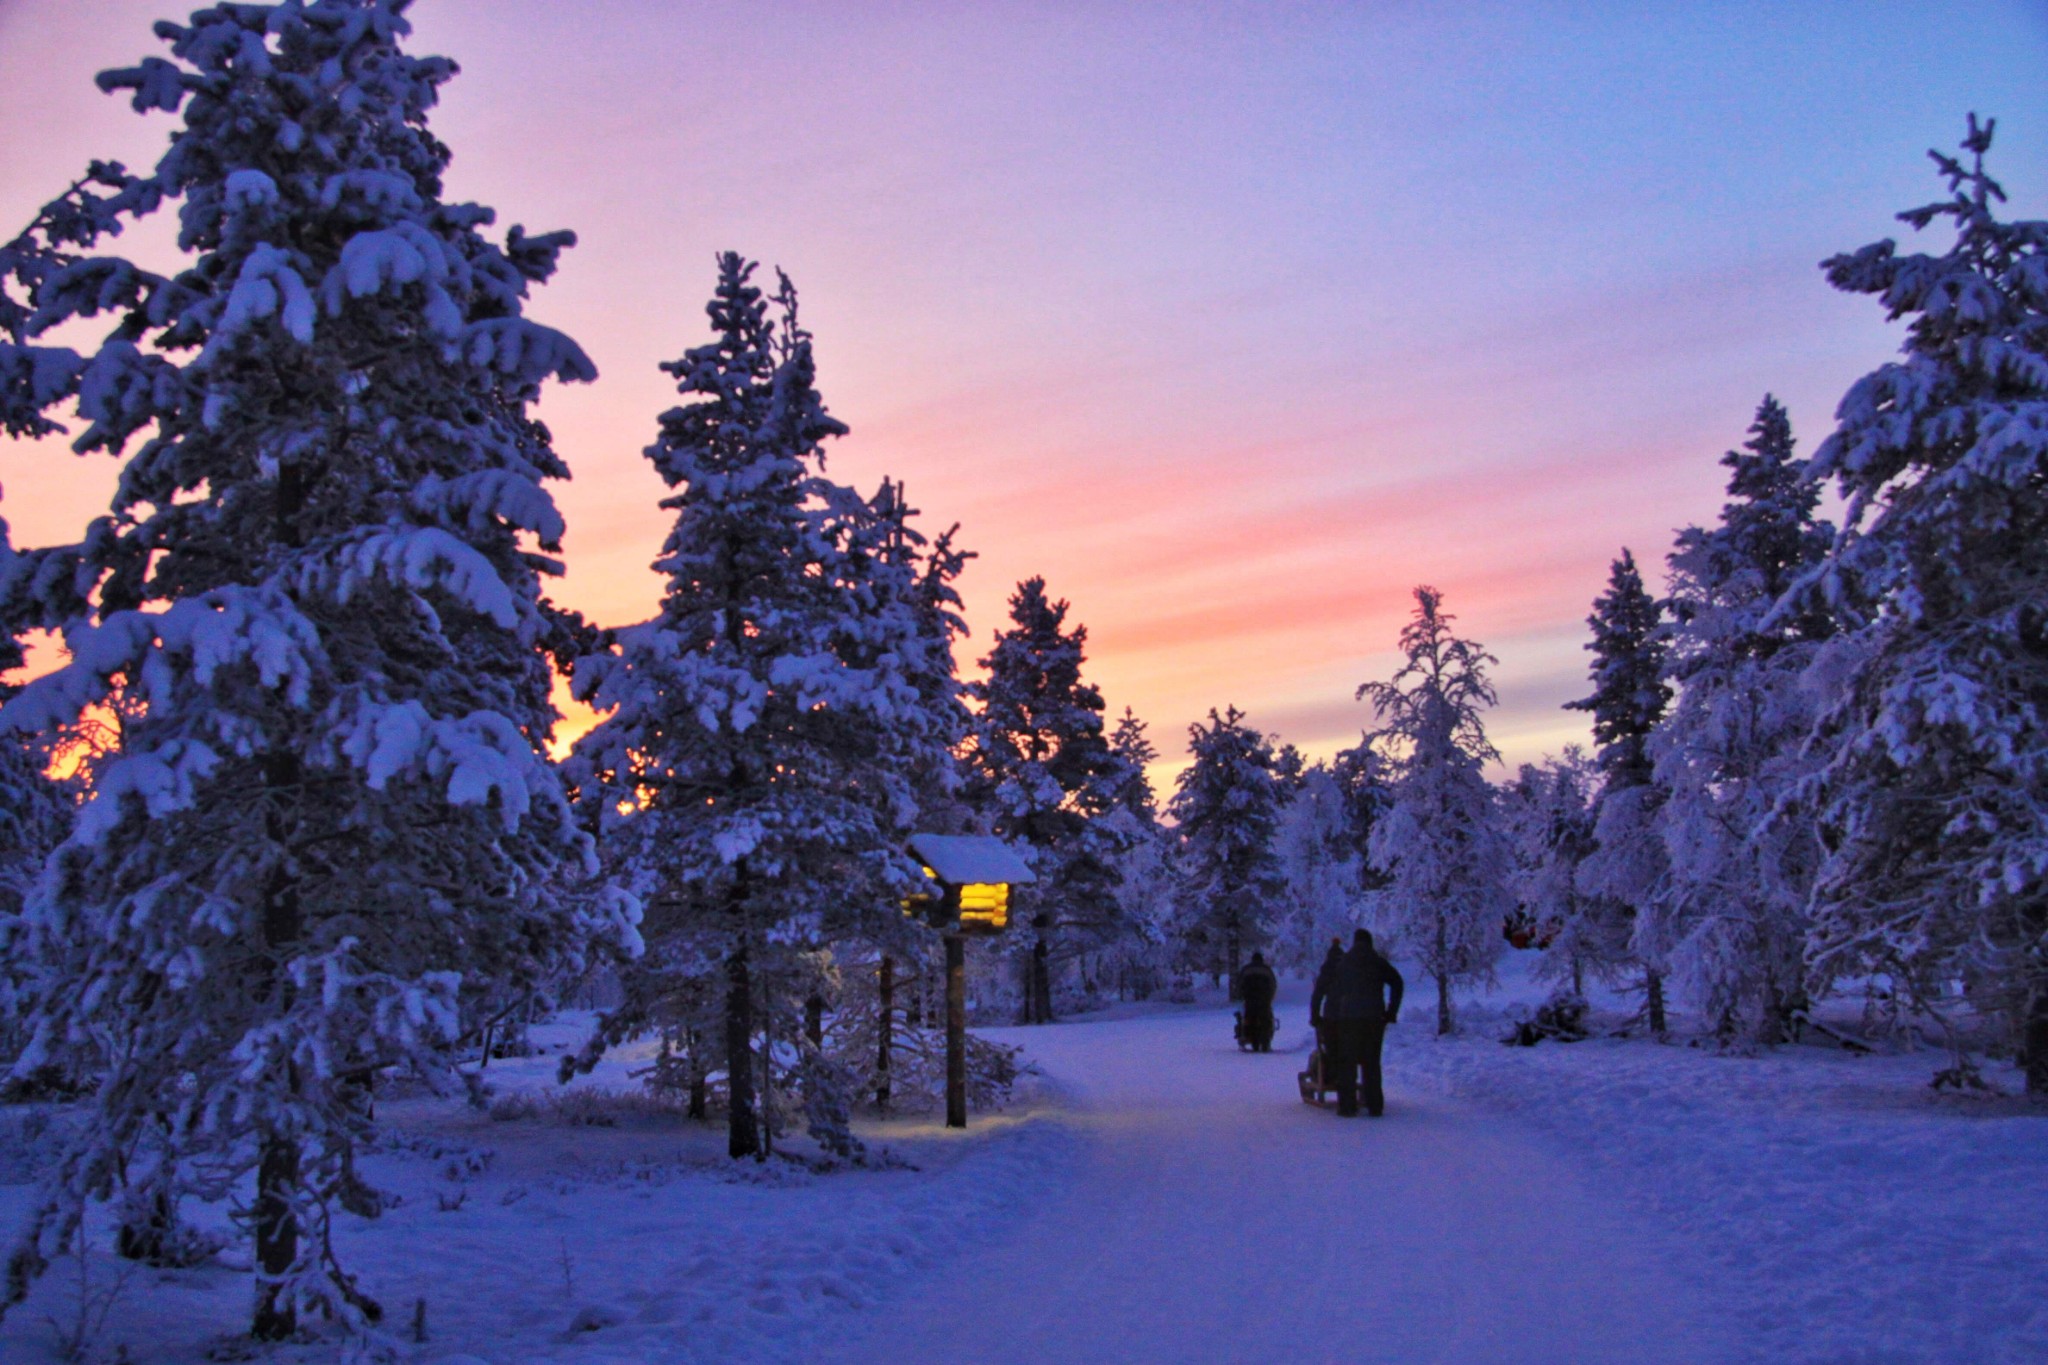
pixel 887 1030
pixel 956 1031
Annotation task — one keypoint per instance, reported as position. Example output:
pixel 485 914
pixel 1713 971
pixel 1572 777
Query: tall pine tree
pixel 1627 868
pixel 1226 813
pixel 1732 747
pixel 770 728
pixel 1934 791
pixel 1439 842
pixel 331 827
pixel 1137 958
pixel 1042 771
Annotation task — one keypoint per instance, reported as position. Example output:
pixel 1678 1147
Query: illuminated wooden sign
pixel 973 874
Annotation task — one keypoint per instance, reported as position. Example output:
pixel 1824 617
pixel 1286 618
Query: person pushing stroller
pixel 1356 996
pixel 1257 984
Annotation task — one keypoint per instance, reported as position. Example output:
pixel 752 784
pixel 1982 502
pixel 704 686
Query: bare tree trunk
pixel 1036 978
pixel 956 1032
pixel 742 1133
pixel 814 1020
pixel 277 1238
pixel 1233 957
pixel 886 1030
pixel 2035 1038
pixel 1781 1011
pixel 277 1172
pixel 1443 976
pixel 767 1013
pixel 700 1085
pixel 1654 980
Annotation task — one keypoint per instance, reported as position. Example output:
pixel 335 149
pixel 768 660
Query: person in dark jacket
pixel 1322 987
pixel 1355 998
pixel 1258 985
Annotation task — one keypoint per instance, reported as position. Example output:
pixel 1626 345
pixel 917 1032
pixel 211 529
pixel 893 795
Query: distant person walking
pixel 1258 986
pixel 1356 996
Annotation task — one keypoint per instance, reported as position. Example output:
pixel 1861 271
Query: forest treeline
pixel 283 826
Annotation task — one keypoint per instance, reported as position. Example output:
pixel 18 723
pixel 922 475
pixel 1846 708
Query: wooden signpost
pixel 972 876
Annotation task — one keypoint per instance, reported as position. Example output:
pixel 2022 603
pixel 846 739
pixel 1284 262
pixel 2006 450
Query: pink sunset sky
pixel 1234 322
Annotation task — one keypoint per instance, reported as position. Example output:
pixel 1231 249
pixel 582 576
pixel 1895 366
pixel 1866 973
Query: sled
pixel 1313 1089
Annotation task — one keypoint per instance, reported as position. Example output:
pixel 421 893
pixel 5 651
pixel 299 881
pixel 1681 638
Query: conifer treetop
pixel 1629 690
pixel 1435 698
pixel 1935 446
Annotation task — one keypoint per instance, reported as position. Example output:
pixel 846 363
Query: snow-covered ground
pixel 1162 1196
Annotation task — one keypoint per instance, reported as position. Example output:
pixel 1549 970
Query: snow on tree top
pixel 964 858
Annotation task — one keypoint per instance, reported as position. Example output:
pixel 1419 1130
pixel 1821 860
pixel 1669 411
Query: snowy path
pixel 1616 1200
pixel 1216 1218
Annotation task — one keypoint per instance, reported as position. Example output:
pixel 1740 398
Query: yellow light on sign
pixel 915 904
pixel 985 904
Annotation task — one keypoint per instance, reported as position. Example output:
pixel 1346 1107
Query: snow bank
pixel 542 1240
pixel 1848 1214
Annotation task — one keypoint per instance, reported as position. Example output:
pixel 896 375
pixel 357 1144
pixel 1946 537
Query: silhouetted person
pixel 1356 996
pixel 1322 987
pixel 1258 985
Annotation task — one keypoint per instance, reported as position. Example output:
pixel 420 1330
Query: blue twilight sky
pixel 1234 321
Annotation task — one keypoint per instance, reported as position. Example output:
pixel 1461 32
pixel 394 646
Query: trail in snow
pixel 1615 1200
pixel 1214 1217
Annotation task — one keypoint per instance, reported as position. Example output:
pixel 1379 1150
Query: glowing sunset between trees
pixel 295 833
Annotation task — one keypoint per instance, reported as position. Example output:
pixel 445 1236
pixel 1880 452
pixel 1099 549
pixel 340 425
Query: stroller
pixel 1255 1035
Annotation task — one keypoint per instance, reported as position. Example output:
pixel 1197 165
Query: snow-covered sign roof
pixel 964 858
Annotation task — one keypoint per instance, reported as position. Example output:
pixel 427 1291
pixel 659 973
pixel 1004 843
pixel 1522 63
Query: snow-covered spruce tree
pixel 1627 869
pixel 870 1039
pixel 1732 746
pixel 1362 774
pixel 1551 821
pixel 331 822
pixel 1439 841
pixel 1042 772
pixel 757 773
pixel 1226 814
pixel 1134 749
pixel 1133 960
pixel 1933 797
pixel 1320 869
pixel 927 569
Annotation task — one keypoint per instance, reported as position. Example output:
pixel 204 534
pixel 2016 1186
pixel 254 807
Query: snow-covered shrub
pixel 915 1080
pixel 1548 811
